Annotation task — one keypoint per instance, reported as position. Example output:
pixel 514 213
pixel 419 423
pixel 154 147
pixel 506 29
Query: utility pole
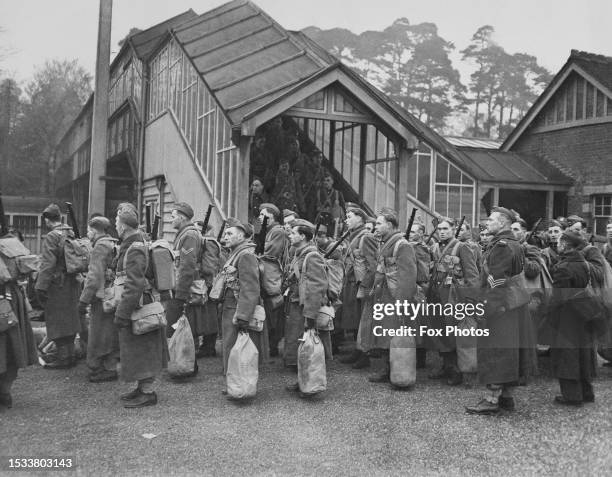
pixel 97 167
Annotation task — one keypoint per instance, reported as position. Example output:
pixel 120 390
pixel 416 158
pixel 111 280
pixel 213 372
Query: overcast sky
pixel 36 30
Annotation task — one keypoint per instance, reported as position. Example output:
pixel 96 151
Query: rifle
pixel 261 237
pixel 75 226
pixel 221 230
pixel 337 244
pixel 435 224
pixel 317 227
pixel 410 222
pixel 148 218
pixel 3 226
pixel 533 229
pixel 458 231
pixel 155 229
pixel 207 219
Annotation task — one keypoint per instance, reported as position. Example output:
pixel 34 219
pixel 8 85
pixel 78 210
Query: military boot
pixel 385 375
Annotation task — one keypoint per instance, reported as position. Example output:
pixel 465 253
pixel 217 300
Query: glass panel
pixel 441 200
pixel 424 178
pixel 454 176
pixel 356 157
pixel 467 202
pixel 466 180
pixel 343 105
pixel 413 164
pixel 454 202
pixel 441 169
pixel 569 101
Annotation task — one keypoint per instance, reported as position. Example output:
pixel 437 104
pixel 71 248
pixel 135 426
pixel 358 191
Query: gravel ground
pixel 355 428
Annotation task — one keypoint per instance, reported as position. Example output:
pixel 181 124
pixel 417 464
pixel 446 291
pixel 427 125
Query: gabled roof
pixel 595 68
pixel 490 165
pixel 245 58
pixel 145 41
pixel 484 143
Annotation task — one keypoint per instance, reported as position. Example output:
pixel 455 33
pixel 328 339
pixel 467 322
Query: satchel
pixel 218 287
pixel 198 293
pixel 8 319
pixel 112 294
pixel 149 317
pixel 256 322
pixel 325 318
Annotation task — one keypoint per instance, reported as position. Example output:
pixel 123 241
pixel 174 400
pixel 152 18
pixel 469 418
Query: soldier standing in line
pixel 465 236
pixel 241 288
pixel 506 354
pixel 360 268
pixel 17 344
pixel 276 246
pixel 103 343
pixel 572 353
pixel 396 280
pixel 57 291
pixel 454 280
pixel 423 258
pixel 142 356
pixel 188 252
pixel 307 291
pixel 550 253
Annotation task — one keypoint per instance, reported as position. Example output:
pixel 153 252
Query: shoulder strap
pixel 311 252
pixel 128 249
pixel 397 245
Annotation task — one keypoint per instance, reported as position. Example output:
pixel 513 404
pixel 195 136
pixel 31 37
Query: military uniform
pixel 307 292
pixel 142 356
pixel 572 353
pixel 454 279
pixel 103 342
pixel 276 247
pixel 62 290
pixel 17 346
pixel 508 353
pixel 240 296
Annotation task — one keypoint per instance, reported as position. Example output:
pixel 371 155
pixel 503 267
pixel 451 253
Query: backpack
pixel 334 272
pixel 211 260
pixel 15 259
pixel 76 254
pixel 161 260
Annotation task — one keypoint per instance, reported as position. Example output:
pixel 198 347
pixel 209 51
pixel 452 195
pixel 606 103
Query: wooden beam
pixel 242 178
pixel 402 184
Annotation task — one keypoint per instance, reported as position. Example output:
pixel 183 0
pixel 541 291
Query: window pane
pixel 441 170
pixel 579 98
pixel 455 175
pixel 454 202
pixel 600 103
pixel 441 200
pixel 589 101
pixel 424 178
pixel 412 175
pixel 467 200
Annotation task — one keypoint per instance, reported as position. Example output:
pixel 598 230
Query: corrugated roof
pixel 245 57
pixel 145 41
pixel 473 142
pixel 500 166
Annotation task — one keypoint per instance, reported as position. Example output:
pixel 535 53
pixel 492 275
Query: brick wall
pixel 584 153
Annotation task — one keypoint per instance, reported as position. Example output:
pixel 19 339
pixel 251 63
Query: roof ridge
pixel 585 55
pixel 161 23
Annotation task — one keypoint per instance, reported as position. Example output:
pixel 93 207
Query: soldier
pixel 103 343
pixel 396 280
pixel 142 356
pixel 258 196
pixel 289 216
pixel 330 199
pixel 17 345
pixel 465 236
pixel 276 246
pixel 595 259
pixel 307 291
pixel 508 352
pixel 360 266
pixel 454 280
pixel 550 253
pixel 572 353
pixel 423 258
pixel 188 252
pixel 241 290
pixel 57 291
pixel 607 251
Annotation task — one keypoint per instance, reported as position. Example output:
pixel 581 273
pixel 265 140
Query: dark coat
pixel 63 290
pixel 142 356
pixel 309 287
pixel 596 262
pixel 509 351
pixel 572 351
pixel 362 246
pixel 17 345
pixel 187 248
pixel 277 243
pixel 103 333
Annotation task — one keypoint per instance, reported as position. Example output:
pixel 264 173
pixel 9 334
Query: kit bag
pixel 181 348
pixel 149 317
pixel 312 376
pixel 242 368
pixel 402 360
pixel 256 322
pixel 15 259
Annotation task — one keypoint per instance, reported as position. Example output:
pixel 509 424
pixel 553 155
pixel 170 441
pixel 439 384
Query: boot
pixel 362 362
pixel 65 358
pixel 352 358
pixel 421 355
pixel 384 375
